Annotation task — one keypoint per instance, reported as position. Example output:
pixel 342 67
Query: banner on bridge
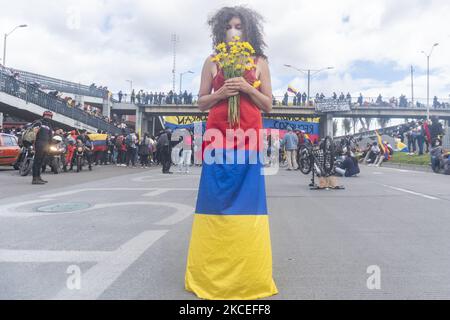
pixel 332 105
pixel 310 126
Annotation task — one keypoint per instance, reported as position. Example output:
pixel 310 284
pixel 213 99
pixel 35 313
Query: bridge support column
pixel 326 125
pixel 1 120
pixel 154 126
pixel 107 106
pixel 145 124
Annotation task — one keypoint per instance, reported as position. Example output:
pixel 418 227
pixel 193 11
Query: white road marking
pixel 75 191
pixel 155 193
pixel 6 210
pixel 98 278
pixel 44 256
pixel 413 192
pixel 182 211
pixel 151 178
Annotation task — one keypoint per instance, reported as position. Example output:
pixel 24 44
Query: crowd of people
pixel 419 136
pixel 156 98
pixel 300 99
pixel 124 150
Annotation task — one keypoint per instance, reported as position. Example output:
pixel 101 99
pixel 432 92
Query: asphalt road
pixel 120 233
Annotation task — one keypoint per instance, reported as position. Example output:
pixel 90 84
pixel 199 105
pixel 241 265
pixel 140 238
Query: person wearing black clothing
pixel 41 144
pixel 436 129
pixel 84 138
pixel 164 152
pixel 164 147
pixel 349 166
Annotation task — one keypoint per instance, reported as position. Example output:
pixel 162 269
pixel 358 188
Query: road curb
pixel 407 166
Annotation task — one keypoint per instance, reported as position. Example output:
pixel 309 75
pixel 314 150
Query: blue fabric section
pixel 232 188
pixel 98 143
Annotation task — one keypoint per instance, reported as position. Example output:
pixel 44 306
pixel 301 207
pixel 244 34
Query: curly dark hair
pixel 252 28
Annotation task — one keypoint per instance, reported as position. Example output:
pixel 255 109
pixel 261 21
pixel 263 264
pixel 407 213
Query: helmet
pixel 57 139
pixel 48 114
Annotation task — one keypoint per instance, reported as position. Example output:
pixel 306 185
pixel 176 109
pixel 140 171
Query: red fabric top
pixel 250 114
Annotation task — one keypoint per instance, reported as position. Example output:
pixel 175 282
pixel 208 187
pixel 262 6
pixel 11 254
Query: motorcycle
pixel 56 155
pixel 81 152
pixel 25 164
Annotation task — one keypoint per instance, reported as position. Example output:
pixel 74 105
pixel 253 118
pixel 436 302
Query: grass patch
pixel 402 157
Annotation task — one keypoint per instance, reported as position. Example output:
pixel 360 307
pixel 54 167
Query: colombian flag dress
pixel 230 254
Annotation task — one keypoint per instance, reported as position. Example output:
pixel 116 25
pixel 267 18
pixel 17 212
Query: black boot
pixel 37 181
pixel 42 180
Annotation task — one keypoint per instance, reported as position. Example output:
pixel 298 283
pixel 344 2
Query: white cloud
pixel 124 39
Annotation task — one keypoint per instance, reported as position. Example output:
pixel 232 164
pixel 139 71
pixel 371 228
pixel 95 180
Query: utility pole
pixel 175 39
pixel 428 78
pixel 308 72
pixel 412 86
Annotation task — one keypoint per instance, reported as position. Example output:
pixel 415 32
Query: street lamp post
pixel 428 78
pixel 131 87
pixel 4 41
pixel 181 78
pixel 309 74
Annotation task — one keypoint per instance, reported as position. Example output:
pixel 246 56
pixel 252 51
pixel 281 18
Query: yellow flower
pixel 238 66
pixel 236 38
pixel 257 84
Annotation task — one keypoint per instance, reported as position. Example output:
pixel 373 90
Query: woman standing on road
pixel 230 254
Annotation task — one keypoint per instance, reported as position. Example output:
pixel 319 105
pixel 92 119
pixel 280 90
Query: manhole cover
pixel 64 207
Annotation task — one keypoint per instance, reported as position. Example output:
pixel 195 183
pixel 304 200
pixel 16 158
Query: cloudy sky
pixel 371 44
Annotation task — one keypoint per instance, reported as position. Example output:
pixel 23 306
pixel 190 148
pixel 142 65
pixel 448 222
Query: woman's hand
pixel 239 84
pixel 226 91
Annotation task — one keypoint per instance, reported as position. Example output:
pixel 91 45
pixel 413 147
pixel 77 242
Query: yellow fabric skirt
pixel 230 258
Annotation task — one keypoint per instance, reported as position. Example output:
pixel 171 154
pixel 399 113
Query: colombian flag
pixel 291 89
pixel 401 147
pixel 99 141
pixel 230 254
pixel 380 142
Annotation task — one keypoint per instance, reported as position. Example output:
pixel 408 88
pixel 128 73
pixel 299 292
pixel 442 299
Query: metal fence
pixel 31 94
pixel 60 85
pixel 291 101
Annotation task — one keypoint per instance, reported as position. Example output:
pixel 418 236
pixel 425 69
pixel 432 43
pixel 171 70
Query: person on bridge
pixel 230 255
pixel 133 97
pixel 41 145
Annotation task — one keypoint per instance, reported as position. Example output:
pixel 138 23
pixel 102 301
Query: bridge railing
pixel 32 94
pixel 50 83
pixel 291 101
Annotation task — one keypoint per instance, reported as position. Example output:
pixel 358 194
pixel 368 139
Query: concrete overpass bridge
pixel 145 114
pixel 26 101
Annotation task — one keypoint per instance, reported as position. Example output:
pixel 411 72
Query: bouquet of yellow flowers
pixel 235 58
